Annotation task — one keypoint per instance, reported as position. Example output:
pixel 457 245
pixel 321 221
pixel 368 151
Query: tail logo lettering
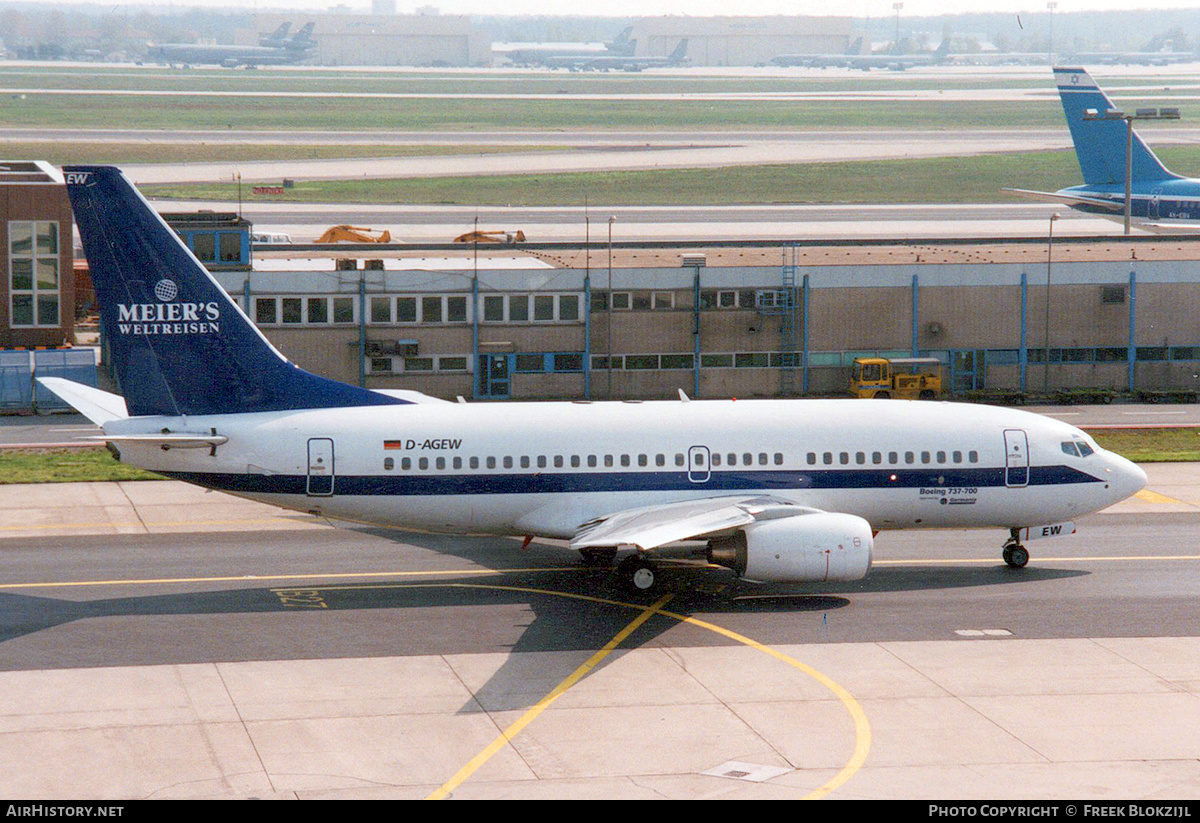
pixel 77 178
pixel 168 318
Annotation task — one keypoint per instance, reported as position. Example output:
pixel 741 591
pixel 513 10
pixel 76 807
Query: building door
pixel 1016 458
pixel 493 375
pixel 320 467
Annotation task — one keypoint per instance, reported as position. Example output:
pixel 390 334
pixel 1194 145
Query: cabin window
pixel 860 458
pixel 458 462
pixel 732 461
pixel 924 457
pixel 844 458
pixel 405 463
pixel 973 456
pixel 591 461
pixel 625 460
pixel 541 461
pixel 812 458
pixel 778 458
pixel 679 460
pixel 440 463
pixel 574 461
pixel 524 461
pixel 893 458
pixel 716 459
pixel 608 460
pixel 827 458
pixel 643 460
pixel 491 462
pixel 762 458
pixel 876 457
pixel 388 464
pixel 660 460
pixel 958 457
pixel 909 457
pixel 423 463
pixel 558 461
pixel 941 457
pixel 508 462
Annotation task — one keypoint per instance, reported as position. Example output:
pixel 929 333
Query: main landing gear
pixel 636 573
pixel 1015 555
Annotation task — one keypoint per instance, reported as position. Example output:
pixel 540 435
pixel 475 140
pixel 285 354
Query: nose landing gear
pixel 1015 555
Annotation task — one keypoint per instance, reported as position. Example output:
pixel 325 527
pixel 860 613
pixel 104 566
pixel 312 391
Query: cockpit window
pixel 1084 449
pixel 1068 447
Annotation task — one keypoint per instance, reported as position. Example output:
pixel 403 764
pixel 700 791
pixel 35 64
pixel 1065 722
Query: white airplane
pixel 781 490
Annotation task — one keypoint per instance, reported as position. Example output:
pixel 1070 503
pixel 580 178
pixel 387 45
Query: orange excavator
pixel 508 237
pixel 353 234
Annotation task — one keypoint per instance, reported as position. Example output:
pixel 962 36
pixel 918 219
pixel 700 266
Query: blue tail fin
pixel 179 345
pixel 1100 144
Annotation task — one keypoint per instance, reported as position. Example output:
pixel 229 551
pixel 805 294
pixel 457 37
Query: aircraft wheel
pixel 1016 556
pixel 638 574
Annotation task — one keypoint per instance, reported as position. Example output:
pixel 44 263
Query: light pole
pixel 611 220
pixel 896 7
pixel 1052 5
pixel 1046 338
pixel 1109 115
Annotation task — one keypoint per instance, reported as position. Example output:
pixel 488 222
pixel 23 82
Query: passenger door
pixel 1016 458
pixel 320 467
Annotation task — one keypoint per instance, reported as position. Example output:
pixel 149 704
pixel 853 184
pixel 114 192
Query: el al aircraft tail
pixel 1100 144
pixel 179 344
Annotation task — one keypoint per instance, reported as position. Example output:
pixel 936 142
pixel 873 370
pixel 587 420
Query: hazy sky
pixel 629 8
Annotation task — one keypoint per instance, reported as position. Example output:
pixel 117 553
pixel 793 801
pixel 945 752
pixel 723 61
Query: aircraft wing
pixel 652 526
pixel 1069 199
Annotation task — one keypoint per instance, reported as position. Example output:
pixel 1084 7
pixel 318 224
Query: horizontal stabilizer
pixel 95 404
pixel 1069 199
pixel 410 396
pixel 172 440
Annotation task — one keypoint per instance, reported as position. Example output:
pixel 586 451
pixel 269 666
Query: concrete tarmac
pixel 161 641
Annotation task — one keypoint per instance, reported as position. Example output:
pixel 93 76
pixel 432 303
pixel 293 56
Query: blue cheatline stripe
pixel 415 485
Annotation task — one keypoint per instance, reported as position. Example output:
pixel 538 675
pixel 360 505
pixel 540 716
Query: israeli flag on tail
pixel 1100 144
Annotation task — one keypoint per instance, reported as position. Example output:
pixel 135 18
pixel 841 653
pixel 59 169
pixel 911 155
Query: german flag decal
pixel 393 444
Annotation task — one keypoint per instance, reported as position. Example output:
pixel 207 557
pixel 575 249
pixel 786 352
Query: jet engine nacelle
pixel 812 547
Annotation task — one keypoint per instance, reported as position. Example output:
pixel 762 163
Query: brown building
pixel 36 268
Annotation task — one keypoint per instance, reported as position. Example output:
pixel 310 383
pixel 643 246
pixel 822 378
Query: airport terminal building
pixel 731 322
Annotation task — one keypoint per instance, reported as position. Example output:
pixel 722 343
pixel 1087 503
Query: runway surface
pixel 163 642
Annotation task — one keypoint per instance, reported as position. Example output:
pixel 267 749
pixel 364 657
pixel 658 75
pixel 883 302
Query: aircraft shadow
pixel 571 610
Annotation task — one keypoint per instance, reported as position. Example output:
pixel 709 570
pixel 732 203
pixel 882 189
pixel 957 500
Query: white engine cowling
pixel 812 547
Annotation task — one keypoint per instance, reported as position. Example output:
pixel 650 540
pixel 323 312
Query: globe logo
pixel 166 290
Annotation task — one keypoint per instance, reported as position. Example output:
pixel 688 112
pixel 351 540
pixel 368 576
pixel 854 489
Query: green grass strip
pixel 977 179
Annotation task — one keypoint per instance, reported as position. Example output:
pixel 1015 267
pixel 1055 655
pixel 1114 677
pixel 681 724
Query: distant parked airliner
pixel 1159 199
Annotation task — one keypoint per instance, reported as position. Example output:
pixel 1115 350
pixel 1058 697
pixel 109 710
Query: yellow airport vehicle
pixel 909 378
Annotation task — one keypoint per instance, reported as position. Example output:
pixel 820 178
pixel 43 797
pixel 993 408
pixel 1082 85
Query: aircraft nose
pixel 1126 477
